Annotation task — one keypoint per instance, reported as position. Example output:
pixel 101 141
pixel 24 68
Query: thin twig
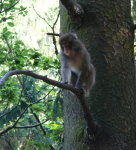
pixel 32 126
pixel 14 125
pixel 29 100
pixel 9 144
pixel 4 109
pixel 13 108
pixel 9 7
pixel 42 18
pixel 56 20
pixel 52 27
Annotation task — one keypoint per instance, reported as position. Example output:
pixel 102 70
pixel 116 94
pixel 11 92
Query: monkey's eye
pixel 62 47
pixel 61 43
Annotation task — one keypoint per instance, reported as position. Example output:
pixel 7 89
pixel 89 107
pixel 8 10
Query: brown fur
pixel 75 57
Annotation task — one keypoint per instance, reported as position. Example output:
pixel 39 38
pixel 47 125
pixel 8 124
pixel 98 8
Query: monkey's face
pixel 67 42
pixel 65 47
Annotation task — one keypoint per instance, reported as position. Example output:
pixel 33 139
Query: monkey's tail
pixel 89 84
pixel 93 74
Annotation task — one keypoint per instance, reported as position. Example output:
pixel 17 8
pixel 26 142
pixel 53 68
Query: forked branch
pixel 93 128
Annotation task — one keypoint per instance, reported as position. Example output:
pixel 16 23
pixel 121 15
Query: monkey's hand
pixel 64 82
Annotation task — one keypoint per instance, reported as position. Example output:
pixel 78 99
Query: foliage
pixel 20 92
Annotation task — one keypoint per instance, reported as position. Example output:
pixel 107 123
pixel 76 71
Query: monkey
pixel 75 58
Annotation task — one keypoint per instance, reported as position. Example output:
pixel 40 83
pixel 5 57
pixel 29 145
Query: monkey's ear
pixel 75 36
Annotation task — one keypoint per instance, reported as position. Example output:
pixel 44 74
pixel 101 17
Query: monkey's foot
pixel 80 90
pixel 84 90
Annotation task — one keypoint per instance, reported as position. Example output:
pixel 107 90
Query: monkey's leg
pixel 81 79
pixel 73 78
pixel 66 73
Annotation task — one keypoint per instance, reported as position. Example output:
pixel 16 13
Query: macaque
pixel 75 58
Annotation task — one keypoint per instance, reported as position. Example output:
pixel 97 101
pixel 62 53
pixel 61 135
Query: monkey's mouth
pixel 66 51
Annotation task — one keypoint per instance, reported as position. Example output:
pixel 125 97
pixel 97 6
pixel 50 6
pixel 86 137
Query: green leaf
pixel 11 24
pixel 5 29
pixel 28 148
pixel 4 19
pixel 23 99
pixel 19 42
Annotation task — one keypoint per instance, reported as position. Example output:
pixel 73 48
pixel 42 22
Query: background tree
pixel 107 31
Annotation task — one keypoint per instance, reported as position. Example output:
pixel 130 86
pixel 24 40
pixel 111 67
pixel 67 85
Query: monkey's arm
pixel 65 68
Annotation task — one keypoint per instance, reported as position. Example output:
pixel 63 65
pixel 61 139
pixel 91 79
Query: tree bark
pixel 107 32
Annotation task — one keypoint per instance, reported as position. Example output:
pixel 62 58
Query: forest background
pixel 23 33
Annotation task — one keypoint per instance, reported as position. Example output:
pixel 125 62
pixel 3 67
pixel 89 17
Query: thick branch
pixel 73 7
pixel 40 77
pixel 76 11
pixel 88 117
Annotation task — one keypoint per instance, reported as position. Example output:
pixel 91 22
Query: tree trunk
pixel 107 32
